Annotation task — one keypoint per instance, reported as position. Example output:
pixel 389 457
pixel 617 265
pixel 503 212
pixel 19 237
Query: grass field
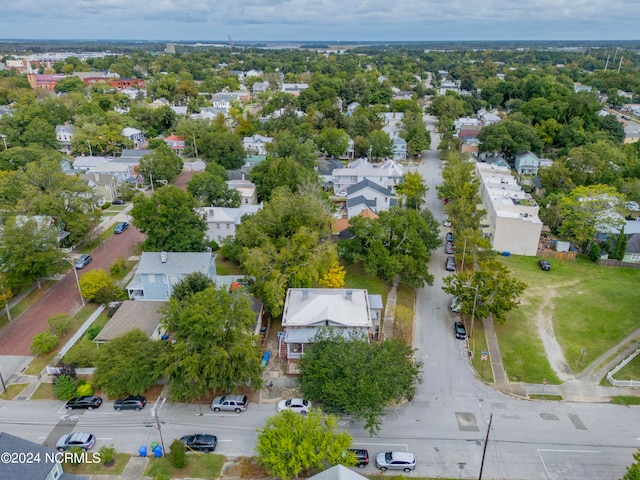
pixel 90 468
pixel 591 307
pixel 204 465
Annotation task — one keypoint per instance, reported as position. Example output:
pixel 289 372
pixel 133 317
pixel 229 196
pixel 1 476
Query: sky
pixel 320 20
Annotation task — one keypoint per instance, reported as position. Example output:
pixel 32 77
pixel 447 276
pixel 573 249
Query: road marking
pixel 225 440
pixel 540 450
pixel 217 414
pixel 105 438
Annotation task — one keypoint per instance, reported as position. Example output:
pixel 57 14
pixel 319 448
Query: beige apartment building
pixel 511 223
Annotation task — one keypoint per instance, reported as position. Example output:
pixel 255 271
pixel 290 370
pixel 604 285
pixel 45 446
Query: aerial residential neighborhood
pixel 426 255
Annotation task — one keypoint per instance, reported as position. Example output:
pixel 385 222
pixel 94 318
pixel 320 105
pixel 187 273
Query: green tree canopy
pixel 193 283
pixel 380 144
pixel 212 190
pixel 214 348
pixel 291 444
pixel 129 364
pixel 280 172
pixel 509 137
pixel 398 242
pixel 337 372
pixel 413 190
pixel 160 165
pixel 169 220
pixel 333 141
pixel 222 147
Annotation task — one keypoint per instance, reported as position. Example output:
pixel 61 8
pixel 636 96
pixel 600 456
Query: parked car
pixel 450 264
pixel 396 461
pixel 76 439
pixel 121 227
pixel 455 305
pixel 449 237
pixel 448 248
pixel 362 456
pixel 298 405
pixel 118 201
pixel 446 222
pixel 132 402
pixel 87 402
pixel 230 403
pixel 544 265
pixel 459 330
pixel 83 260
pixel 199 442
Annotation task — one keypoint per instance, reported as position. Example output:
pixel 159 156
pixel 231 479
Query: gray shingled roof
pixel 144 316
pixel 178 263
pixel 368 183
pixel 24 471
pixel 360 200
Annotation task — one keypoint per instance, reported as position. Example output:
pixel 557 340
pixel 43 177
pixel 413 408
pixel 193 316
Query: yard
pixel 587 306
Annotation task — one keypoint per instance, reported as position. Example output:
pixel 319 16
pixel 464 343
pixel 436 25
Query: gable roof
pixel 306 307
pixel 633 244
pixel 366 183
pixel 177 263
pixel 144 316
pixel 361 200
pixel 25 471
pixel 338 472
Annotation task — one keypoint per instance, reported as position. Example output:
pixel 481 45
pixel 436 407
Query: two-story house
pixel 135 135
pixel 527 163
pixel 399 149
pixel 306 310
pixel 259 87
pixel 294 88
pixel 256 144
pixel 158 273
pixel 222 221
pixel 64 134
pixel 368 195
pixel 247 190
pixel 175 143
pixel 388 174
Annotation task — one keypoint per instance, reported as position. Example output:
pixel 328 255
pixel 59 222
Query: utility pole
pixel 157 415
pixel 620 64
pixel 195 146
pixel 484 450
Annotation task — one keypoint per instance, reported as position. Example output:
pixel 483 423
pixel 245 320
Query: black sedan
pixel 132 402
pixel 86 402
pixel 199 442
pixel 448 248
pixel 121 227
pixel 450 264
pixel 459 330
pixel 544 265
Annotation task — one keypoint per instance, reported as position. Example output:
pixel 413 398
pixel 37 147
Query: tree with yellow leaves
pixel 334 277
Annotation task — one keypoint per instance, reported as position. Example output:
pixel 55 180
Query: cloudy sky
pixel 322 20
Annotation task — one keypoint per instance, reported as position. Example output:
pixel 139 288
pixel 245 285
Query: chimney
pixel 350 295
pixel 163 257
pixel 305 293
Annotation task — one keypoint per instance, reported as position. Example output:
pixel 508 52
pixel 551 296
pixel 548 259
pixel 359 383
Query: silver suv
pixel 76 439
pixel 230 403
pixel 396 461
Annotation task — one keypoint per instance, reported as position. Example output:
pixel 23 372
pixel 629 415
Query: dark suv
pixel 199 442
pixel 230 403
pixel 87 402
pixel 132 402
pixel 362 456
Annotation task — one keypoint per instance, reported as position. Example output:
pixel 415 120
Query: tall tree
pixel 337 372
pixel 586 211
pixel 160 166
pixel 333 141
pixel 380 144
pixel 129 364
pixel 169 220
pixel 278 172
pixel 212 190
pixel 413 190
pixel 290 444
pixel 222 147
pixel 29 251
pixel 214 348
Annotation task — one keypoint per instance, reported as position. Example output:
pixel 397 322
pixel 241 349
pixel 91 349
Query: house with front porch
pixel 307 310
pixel 256 144
pixel 136 136
pixel 64 134
pixel 368 195
pixel 527 163
pixel 222 221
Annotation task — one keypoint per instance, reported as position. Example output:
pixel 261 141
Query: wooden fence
pixel 616 263
pixel 548 253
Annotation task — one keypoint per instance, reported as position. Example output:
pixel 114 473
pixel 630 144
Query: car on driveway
pixel 132 402
pixel 200 442
pixel 83 260
pixel 448 248
pixel 459 330
pixel 76 439
pixel 230 403
pixel 118 201
pixel 298 405
pixel 121 227
pixel 544 265
pixel 362 456
pixel 396 461
pixel 86 402
pixel 450 264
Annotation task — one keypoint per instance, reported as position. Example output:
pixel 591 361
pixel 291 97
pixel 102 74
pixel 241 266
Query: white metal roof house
pixel 247 190
pixel 135 135
pixel 306 310
pixel 388 174
pixel 256 144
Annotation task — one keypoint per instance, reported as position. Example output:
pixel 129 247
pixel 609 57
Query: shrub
pixel 177 454
pixel 43 343
pixel 82 355
pixel 107 455
pixel 59 324
pixel 84 389
pixel 106 205
pixel 64 387
pixel 117 268
pixel 93 331
pixel 162 476
pixel 76 458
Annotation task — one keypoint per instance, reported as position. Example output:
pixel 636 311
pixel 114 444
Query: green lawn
pixel 205 465
pixel 85 348
pixel 29 299
pixel 631 371
pixel 592 307
pixel 356 278
pixel 224 266
pixel 91 468
pixel 477 345
pixel 12 391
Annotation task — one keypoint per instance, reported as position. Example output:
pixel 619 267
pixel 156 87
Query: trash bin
pixel 506 254
pixel 157 451
pixel 143 451
pixel 154 445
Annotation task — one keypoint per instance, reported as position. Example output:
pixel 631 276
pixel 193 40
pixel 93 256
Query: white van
pixel 455 305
